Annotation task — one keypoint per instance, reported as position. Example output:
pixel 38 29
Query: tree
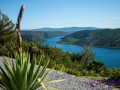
pixel 87 55
pixel 7 34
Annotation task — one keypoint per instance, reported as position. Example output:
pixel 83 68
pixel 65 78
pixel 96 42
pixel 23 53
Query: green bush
pixel 106 72
pixel 115 74
pixel 59 67
pixel 92 73
pixel 73 72
pixel 7 36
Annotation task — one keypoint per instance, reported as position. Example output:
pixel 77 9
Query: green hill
pixel 40 36
pixel 99 38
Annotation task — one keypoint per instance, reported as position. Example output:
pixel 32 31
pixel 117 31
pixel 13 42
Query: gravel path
pixel 71 82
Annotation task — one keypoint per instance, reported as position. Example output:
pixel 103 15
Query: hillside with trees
pixel 40 36
pixel 109 38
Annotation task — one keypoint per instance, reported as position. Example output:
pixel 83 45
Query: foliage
pixel 69 40
pixel 100 37
pixel 116 74
pixel 87 56
pixel 7 35
pixel 40 36
pixel 23 75
pixel 73 72
pixel 73 63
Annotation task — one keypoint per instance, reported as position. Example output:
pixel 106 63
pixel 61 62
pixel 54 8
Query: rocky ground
pixel 70 82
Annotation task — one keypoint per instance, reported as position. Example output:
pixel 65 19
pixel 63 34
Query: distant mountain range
pixel 99 38
pixel 62 29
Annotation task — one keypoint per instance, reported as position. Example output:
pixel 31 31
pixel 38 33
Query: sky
pixel 64 13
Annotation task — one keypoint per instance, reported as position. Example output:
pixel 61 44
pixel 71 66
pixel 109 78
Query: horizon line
pixel 71 27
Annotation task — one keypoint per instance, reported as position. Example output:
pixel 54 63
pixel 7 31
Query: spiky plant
pixel 22 75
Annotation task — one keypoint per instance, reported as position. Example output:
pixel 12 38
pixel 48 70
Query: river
pixel 111 57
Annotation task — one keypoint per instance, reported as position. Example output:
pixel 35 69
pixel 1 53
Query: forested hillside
pixel 101 38
pixel 40 36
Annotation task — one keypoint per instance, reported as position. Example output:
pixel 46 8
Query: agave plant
pixel 23 75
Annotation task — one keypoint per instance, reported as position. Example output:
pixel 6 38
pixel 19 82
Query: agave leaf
pixel 43 68
pixel 14 73
pixel 18 75
pixel 21 76
pixel 10 75
pixel 37 72
pixel 13 67
pixel 40 74
pixel 4 79
pixel 4 83
pixel 43 77
pixel 2 87
pixel 31 73
pixel 40 80
pixel 43 85
pixel 24 75
pixel 54 81
pixel 51 88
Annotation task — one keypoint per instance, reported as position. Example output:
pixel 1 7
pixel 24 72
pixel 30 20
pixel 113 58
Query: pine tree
pixel 87 55
pixel 7 34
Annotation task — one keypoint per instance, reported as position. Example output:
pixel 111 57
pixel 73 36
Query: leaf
pixel 21 76
pixel 43 85
pixel 54 81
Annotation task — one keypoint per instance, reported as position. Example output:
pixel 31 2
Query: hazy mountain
pixel 62 29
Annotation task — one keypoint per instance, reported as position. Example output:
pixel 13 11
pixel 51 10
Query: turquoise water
pixel 111 57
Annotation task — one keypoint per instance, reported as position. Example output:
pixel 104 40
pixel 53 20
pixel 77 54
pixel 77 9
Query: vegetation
pixel 100 38
pixel 40 36
pixel 82 64
pixel 22 74
pixel 7 35
pixel 115 74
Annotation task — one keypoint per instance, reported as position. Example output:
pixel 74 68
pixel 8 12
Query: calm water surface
pixel 111 57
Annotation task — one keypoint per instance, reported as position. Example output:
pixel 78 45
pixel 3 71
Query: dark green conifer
pixel 7 35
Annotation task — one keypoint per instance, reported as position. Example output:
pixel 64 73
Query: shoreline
pixel 92 46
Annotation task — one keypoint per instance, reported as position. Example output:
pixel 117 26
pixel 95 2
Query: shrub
pixel 7 35
pixel 115 74
pixel 73 72
pixel 59 66
pixel 92 73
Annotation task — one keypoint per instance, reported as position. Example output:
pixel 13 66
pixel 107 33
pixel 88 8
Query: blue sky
pixel 64 13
